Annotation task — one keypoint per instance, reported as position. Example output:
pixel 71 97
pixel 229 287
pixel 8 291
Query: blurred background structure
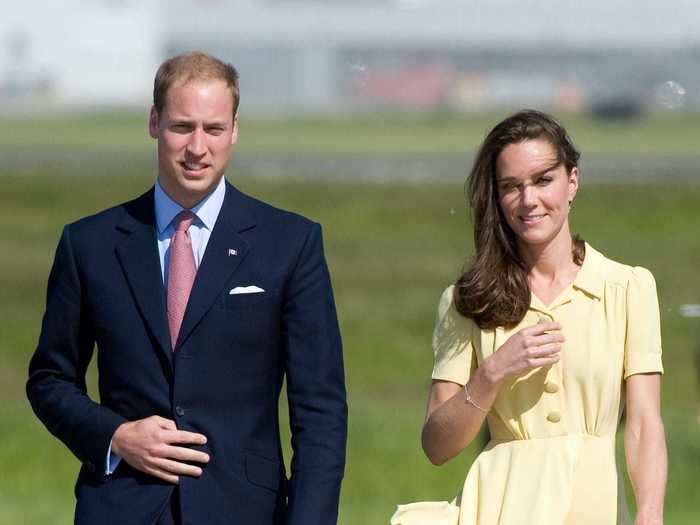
pixel 363 115
pixel 344 56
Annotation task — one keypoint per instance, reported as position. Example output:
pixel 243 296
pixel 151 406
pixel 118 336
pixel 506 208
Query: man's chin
pixel 197 182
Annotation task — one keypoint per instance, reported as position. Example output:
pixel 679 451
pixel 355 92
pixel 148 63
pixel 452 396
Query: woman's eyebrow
pixel 537 173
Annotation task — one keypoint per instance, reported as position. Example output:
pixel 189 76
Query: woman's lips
pixel 531 219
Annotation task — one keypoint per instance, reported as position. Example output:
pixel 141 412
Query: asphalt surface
pixel 347 167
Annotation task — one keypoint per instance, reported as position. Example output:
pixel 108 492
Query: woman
pixel 546 339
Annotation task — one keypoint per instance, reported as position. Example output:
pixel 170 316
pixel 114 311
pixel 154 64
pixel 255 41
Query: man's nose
pixel 197 145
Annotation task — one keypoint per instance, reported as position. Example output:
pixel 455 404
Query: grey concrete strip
pixel 356 166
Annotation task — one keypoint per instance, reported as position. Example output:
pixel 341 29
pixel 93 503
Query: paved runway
pixel 348 167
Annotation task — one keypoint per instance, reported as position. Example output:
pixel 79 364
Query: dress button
pixel 554 417
pixel 550 387
pixel 180 411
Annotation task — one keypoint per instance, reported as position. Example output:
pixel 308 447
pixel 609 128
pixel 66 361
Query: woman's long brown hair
pixel 494 290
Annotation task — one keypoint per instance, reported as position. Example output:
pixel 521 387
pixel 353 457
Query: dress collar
pixel 588 279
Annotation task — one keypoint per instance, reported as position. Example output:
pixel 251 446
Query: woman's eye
pixel 543 181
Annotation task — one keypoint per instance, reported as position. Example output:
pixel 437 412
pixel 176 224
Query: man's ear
pixel 234 134
pixel 153 123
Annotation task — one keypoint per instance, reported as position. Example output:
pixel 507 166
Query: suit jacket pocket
pixel 248 300
pixel 262 471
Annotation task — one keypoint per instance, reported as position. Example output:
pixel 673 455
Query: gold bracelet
pixel 469 399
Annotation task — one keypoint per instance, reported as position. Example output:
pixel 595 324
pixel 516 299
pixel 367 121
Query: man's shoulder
pixel 267 215
pixel 108 219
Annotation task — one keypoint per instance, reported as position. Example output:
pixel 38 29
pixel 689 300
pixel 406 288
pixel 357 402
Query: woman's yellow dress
pixel 551 458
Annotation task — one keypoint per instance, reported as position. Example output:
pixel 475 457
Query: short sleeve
pixel 453 350
pixel 643 335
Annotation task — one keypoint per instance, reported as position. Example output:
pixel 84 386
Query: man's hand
pixel 149 445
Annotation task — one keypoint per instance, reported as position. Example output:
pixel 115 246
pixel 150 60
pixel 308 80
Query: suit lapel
pixel 138 254
pixel 225 251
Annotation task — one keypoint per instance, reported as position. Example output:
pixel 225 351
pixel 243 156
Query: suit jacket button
pixel 179 411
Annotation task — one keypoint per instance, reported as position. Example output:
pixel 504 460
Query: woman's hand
pixel 532 347
pixel 452 422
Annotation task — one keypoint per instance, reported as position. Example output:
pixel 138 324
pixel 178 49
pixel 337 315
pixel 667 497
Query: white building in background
pixel 355 55
pixel 78 53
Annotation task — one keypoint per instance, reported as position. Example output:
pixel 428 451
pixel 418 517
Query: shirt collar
pixel 207 210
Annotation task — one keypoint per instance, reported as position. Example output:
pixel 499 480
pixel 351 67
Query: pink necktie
pixel 181 272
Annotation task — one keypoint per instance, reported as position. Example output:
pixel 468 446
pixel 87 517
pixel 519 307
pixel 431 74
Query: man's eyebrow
pixel 176 121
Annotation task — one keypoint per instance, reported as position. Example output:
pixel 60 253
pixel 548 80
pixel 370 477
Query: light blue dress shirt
pixel 207 211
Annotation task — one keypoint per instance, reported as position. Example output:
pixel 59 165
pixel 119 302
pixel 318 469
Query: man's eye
pixel 216 131
pixel 543 181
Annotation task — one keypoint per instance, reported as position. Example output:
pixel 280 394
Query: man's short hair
pixel 187 67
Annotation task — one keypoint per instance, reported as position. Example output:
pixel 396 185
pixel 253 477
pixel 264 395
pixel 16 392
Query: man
pixel 201 300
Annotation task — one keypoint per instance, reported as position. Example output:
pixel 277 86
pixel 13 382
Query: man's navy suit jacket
pixel 223 378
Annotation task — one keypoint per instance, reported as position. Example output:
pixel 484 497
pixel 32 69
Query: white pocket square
pixel 245 289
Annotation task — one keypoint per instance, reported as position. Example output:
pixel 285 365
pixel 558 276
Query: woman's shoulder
pixel 446 299
pixel 448 312
pixel 616 273
pixel 453 333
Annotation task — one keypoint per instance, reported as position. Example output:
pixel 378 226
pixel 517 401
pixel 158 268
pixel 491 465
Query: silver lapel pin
pixel 232 252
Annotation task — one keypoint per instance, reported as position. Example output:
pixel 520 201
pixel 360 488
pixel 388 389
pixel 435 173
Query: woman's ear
pixel 573 184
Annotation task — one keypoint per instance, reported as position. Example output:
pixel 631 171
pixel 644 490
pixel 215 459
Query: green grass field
pixel 661 134
pixel 392 248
